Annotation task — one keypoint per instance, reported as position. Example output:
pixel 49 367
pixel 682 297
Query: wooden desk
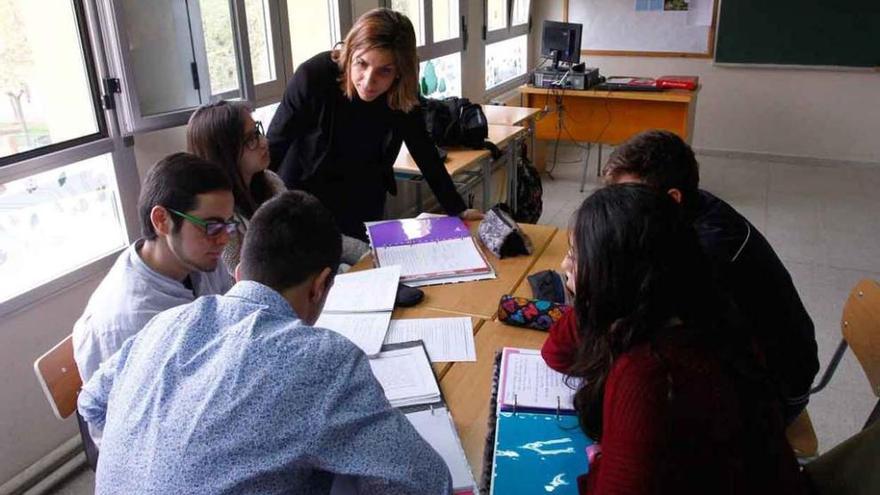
pixel 420 311
pixel 550 259
pixel 459 160
pixel 611 117
pixel 480 299
pixel 507 115
pixel 466 386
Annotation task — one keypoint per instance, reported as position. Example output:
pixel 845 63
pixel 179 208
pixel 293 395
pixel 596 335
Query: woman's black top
pixel 343 151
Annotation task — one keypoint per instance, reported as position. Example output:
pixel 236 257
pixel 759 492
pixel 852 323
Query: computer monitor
pixel 561 41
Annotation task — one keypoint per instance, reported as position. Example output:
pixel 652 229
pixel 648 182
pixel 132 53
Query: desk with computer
pixel 581 106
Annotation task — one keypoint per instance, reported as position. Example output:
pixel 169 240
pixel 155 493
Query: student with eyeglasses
pixel 186 210
pixel 225 133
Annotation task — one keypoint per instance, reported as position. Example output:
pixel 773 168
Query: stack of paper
pixel 406 376
pixel 445 339
pixel 359 306
pixel 526 382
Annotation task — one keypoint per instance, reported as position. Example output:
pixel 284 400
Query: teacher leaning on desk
pixel 342 120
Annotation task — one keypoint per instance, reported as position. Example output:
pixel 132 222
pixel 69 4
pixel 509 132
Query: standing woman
pixel 225 133
pixel 342 120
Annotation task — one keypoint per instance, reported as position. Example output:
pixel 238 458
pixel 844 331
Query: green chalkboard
pixel 799 32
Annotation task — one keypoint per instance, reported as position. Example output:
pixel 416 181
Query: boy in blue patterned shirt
pixel 239 394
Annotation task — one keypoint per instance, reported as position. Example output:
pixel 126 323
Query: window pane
pixel 496 14
pixel 43 79
pixel 445 22
pixel 414 9
pixel 314 28
pixel 520 12
pixel 505 60
pixel 260 40
pixel 54 222
pixel 160 48
pixel 441 77
pixel 220 45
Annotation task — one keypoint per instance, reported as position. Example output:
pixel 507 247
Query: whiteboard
pixel 617 25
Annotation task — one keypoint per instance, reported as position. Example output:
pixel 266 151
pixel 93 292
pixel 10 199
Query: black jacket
pixel 301 135
pixel 754 277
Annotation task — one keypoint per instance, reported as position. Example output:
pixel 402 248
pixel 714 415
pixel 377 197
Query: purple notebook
pixel 416 231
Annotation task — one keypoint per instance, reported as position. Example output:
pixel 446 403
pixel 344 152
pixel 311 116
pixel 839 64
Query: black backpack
pixel 529 191
pixel 457 122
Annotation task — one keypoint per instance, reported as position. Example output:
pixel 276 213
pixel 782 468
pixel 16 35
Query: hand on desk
pixel 471 214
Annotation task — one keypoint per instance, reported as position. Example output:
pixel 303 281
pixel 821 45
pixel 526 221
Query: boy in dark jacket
pixel 745 264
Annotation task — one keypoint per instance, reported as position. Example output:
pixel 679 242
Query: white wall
pixel 808 113
pixel 28 429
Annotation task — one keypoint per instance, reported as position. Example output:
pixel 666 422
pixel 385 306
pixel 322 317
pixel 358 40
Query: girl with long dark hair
pixel 225 133
pixel 672 397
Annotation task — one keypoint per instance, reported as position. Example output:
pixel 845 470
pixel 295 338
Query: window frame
pixel 503 34
pixel 58 155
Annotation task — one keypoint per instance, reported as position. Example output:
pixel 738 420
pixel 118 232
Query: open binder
pixel 436 250
pixel 537 445
pixel 427 412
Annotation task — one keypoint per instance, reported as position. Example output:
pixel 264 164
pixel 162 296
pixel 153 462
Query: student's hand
pixel 471 214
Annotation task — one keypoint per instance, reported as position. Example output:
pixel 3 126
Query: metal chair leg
pixel 586 166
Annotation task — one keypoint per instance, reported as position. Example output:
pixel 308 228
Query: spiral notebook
pixel 438 249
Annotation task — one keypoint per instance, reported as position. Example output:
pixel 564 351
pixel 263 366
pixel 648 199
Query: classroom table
pixel 610 117
pixel 480 299
pixel 460 160
pixel 550 259
pixel 466 387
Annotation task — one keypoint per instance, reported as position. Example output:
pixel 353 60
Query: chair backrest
pixel 860 325
pixel 58 375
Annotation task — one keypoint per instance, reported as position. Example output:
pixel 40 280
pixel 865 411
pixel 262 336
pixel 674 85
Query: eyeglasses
pixel 252 142
pixel 212 228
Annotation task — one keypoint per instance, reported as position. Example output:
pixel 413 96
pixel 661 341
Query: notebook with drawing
pixel 538 444
pixel 437 249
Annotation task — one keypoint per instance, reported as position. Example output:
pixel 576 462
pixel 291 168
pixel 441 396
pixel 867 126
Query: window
pixel 505 32
pixel 438 25
pixel 174 55
pixel 62 163
pixel 56 221
pixel 441 77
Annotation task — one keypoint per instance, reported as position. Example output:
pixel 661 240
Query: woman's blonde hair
pixel 388 30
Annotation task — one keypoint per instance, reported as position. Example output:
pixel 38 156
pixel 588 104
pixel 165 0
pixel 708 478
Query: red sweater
pixel 702 440
pixel 559 348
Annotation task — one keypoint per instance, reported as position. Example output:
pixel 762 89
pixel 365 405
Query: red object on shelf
pixel 678 82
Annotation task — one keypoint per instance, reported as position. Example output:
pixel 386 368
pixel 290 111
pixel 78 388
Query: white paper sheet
pixel 527 381
pixel 406 376
pixel 446 339
pixel 433 259
pixel 365 330
pixel 364 291
pixel 437 428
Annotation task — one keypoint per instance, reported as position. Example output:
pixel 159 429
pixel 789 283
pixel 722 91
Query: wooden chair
pixel 59 377
pixel 860 326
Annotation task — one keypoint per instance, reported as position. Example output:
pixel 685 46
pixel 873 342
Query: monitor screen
pixel 564 39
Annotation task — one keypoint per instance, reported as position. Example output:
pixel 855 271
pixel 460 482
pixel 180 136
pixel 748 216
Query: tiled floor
pixel 823 223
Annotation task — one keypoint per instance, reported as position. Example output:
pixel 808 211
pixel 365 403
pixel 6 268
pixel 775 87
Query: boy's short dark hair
pixel 660 159
pixel 290 237
pixel 174 182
